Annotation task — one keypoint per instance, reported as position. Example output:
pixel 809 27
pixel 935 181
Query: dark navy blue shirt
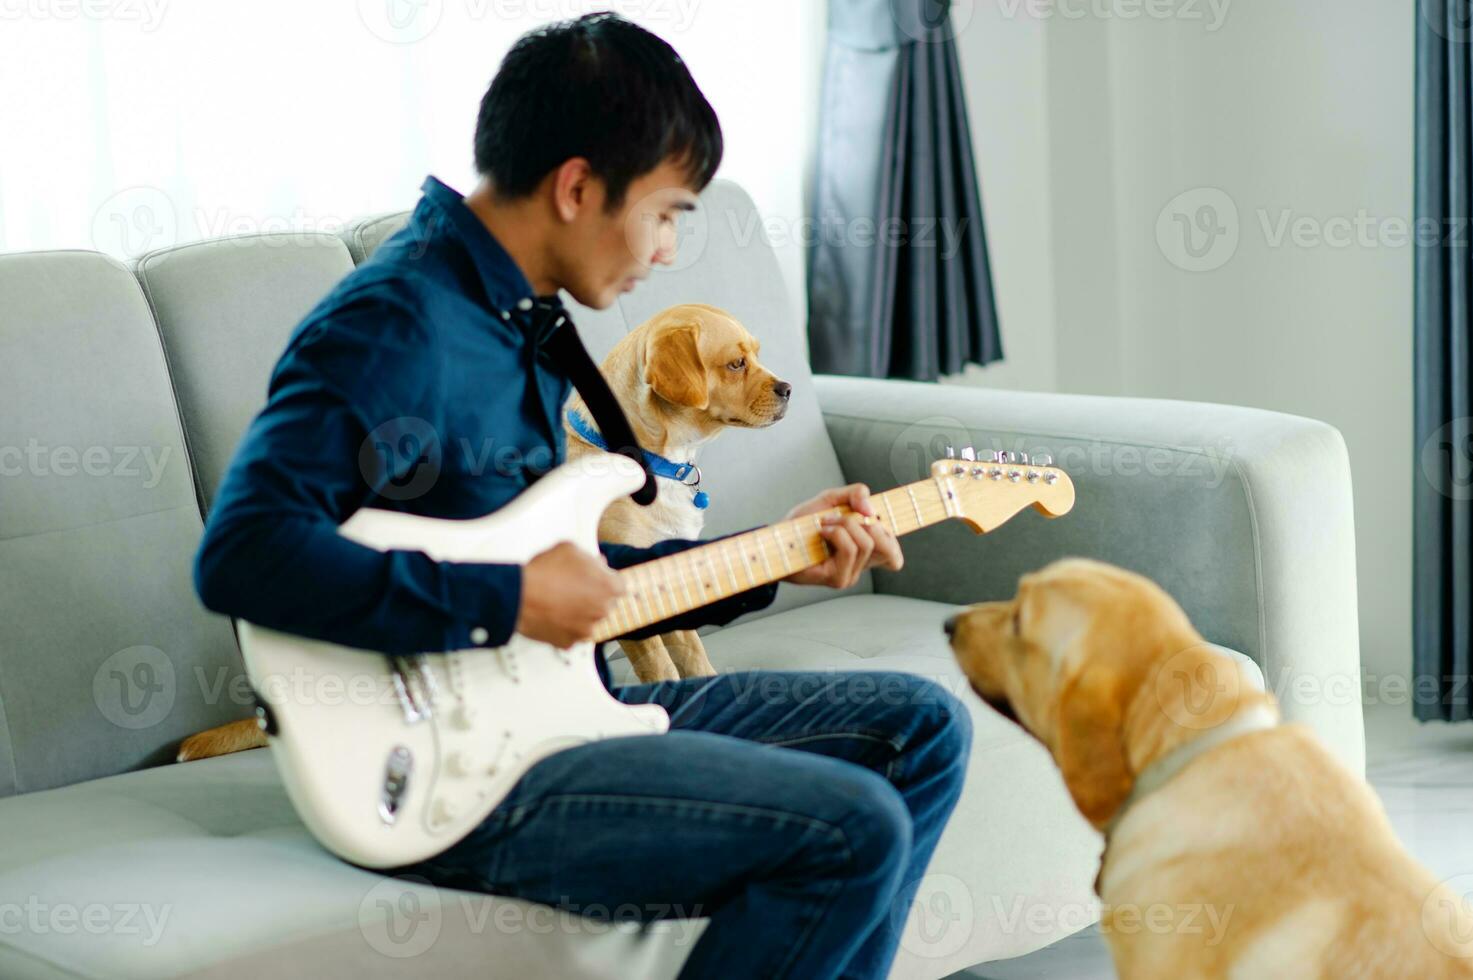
pixel 419 384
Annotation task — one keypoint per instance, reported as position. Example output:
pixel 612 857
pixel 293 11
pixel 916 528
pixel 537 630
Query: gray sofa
pixel 122 394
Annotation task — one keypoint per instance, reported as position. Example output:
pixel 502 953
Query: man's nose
pixel 782 389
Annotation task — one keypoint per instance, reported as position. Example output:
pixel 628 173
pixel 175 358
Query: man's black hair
pixel 600 88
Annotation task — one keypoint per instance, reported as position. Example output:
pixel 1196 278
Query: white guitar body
pixel 390 766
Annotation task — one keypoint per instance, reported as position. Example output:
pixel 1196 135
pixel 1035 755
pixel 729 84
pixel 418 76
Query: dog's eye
pixel 737 365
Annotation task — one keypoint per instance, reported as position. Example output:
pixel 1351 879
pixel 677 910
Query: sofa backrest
pixel 107 659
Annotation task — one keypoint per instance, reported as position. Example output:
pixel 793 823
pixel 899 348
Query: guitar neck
pixel 665 587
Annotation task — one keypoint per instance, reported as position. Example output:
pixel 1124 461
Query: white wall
pixel 148 122
pixel 1297 111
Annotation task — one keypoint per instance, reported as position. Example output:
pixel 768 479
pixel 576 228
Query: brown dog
pixel 1235 846
pixel 682 376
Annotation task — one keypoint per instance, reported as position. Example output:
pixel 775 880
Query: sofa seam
pixel 197 484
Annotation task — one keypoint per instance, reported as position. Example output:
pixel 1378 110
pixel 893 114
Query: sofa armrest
pixel 1243 515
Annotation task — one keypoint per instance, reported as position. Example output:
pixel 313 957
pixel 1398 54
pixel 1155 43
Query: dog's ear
pixel 673 367
pixel 1090 740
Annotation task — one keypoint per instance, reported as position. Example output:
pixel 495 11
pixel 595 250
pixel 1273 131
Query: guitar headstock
pixel 988 490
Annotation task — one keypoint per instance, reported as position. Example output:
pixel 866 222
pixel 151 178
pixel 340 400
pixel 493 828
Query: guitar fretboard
pixel 669 586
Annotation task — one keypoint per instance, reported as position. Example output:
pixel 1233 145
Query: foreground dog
pixel 1212 810
pixel 681 377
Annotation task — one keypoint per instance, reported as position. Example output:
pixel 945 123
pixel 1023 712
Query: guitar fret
pixel 885 499
pixel 685 584
pixel 916 504
pixel 731 570
pixel 766 563
pixel 782 550
pixel 747 564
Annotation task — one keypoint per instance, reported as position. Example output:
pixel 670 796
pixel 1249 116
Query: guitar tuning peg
pixel 950 453
pixel 968 453
pixel 1043 459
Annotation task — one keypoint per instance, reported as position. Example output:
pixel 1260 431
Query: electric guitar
pixel 391 759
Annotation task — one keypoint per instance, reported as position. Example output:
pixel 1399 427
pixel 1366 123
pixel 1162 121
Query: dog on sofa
pixel 1213 810
pixel 681 377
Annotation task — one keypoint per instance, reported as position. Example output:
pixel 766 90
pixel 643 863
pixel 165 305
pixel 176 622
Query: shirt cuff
pixel 485 600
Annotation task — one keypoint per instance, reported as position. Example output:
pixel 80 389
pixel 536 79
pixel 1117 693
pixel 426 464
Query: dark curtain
pixel 898 278
pixel 1442 550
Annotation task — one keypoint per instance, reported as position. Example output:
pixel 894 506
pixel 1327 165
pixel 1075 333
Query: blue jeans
pixel 797 810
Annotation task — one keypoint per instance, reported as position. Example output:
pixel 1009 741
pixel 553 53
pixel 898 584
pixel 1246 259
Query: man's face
pixel 607 253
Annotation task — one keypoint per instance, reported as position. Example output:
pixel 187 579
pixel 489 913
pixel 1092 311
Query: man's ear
pixel 673 367
pixel 1090 741
pixel 570 187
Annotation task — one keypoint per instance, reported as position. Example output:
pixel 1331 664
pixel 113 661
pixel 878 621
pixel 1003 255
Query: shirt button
pixel 524 303
pixel 479 635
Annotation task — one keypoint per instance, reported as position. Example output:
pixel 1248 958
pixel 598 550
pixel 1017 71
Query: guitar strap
pixel 561 341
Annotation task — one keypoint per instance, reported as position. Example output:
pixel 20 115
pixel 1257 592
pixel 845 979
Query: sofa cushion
pixel 227 881
pixel 106 658
pixel 225 309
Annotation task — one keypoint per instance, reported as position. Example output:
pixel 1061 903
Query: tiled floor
pixel 1424 775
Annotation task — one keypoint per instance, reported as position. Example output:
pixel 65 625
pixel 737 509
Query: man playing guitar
pixel 797 810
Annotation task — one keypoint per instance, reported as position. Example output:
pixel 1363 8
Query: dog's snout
pixel 782 389
pixel 950 625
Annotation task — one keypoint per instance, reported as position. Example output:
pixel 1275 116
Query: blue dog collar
pixel 659 465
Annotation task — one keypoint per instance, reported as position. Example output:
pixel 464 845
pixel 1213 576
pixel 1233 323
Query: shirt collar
pixel 506 287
